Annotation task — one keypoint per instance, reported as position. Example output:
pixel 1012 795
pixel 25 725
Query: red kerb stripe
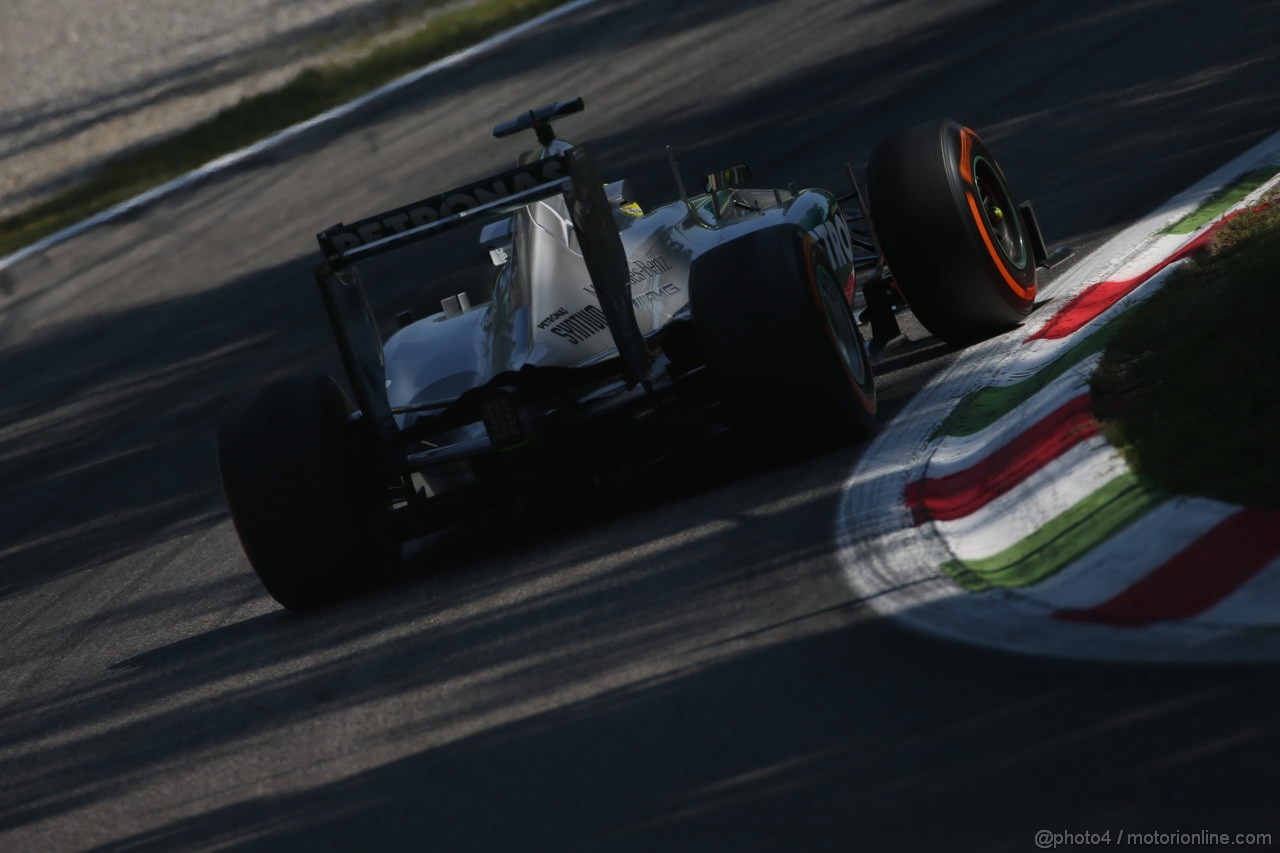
pixel 957 495
pixel 1090 303
pixel 1198 577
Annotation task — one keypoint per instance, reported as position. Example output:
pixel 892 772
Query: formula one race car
pixel 610 331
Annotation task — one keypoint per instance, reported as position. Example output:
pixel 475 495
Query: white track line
pixel 235 157
pixel 1135 247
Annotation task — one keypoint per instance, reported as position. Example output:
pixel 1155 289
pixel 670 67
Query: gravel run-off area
pixel 84 81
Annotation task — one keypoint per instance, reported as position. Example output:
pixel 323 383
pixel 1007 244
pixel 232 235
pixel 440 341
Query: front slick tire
pixel 300 498
pixel 951 232
pixel 780 340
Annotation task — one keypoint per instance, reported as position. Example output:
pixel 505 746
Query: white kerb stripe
pixel 1035 502
pixel 955 453
pixel 1131 554
pixel 1256 603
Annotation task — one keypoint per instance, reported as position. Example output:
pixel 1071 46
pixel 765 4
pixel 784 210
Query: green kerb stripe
pixel 1063 540
pixel 980 409
pixel 1223 199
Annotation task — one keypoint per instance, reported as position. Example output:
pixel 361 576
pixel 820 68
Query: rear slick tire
pixel 951 232
pixel 300 493
pixel 780 341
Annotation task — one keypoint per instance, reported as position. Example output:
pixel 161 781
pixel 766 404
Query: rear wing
pixel 571 174
pixel 484 200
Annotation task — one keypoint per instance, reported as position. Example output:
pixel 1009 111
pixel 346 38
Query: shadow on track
pixel 617 688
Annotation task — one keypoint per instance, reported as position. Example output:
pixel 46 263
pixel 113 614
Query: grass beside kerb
pixel 1222 200
pixel 1189 388
pixel 310 93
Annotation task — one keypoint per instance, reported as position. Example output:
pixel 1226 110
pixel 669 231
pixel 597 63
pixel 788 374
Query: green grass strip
pixel 1222 200
pixel 1063 540
pixel 312 92
pixel 1189 387
pixel 979 409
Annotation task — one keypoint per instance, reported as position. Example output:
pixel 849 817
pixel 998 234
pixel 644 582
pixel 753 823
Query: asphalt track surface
pixel 685 670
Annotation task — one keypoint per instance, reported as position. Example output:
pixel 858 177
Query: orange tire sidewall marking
pixel 863 399
pixel 966 174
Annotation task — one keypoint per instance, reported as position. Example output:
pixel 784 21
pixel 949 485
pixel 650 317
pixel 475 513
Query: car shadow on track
pixel 688 674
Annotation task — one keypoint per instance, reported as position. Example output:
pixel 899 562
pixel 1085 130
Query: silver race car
pixel 611 332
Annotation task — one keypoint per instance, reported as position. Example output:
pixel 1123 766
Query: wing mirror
pixel 619 193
